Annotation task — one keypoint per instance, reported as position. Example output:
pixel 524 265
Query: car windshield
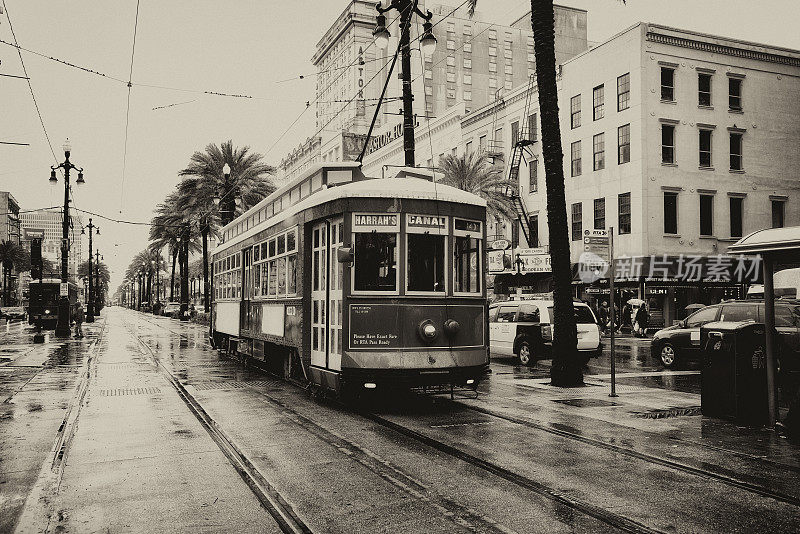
pixel 583 315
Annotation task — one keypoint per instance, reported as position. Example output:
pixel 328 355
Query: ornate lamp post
pixel 63 324
pixel 427 46
pixel 97 258
pixel 90 304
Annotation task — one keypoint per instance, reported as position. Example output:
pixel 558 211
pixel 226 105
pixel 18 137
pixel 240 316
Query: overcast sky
pixel 235 47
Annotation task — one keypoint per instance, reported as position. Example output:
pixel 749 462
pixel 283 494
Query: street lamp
pixel 98 300
pixel 91 299
pixel 427 46
pixel 62 326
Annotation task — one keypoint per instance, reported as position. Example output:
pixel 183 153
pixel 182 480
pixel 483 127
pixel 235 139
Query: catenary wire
pixel 128 112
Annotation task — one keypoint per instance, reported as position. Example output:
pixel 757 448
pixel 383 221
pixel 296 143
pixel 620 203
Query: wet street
pixel 142 427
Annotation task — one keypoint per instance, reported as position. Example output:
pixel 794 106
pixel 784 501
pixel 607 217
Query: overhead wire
pixel 128 111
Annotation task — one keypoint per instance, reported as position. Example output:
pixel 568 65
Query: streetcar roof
pixel 409 188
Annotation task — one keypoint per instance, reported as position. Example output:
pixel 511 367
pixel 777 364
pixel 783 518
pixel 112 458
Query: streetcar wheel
pixel 524 354
pixel 667 354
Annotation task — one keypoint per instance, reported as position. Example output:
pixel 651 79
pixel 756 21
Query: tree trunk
pixel 567 369
pixel 172 279
pixel 206 289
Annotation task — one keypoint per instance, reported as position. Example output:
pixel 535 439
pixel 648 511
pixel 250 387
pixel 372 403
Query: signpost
pixel 601 243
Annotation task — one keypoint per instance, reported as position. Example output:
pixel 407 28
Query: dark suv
pixel 682 341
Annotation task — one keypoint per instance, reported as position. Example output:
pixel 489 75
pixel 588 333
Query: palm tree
pixel 567 369
pixel 165 231
pixel 249 182
pixel 12 256
pixel 473 172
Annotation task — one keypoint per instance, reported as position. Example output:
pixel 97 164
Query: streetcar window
pixel 272 248
pixel 281 244
pixel 375 262
pixel 257 280
pixel 273 278
pixel 291 283
pixel 291 241
pixel 426 262
pixel 256 251
pixel 264 250
pixel 281 276
pixel 467 254
pixel 264 279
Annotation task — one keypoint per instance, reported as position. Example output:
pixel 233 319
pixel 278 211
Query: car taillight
pixel 547 332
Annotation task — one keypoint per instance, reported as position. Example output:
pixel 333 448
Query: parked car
pixel 681 342
pixel 171 309
pixel 12 312
pixel 524 329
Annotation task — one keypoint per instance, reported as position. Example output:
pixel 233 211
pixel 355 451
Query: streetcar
pixel 348 283
pixel 43 301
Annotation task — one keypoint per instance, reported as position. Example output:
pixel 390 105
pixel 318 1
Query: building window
pixel 492 67
pixel 575 111
pixel 599 151
pixel 670 212
pixel 468 79
pixel 451 77
pixel 736 216
pixel 575 151
pixel 736 151
pixel 577 222
pixel 509 85
pixel 482 144
pixel 467 148
pixel 707 215
pixel 492 51
pixel 600 213
pixel 451 45
pixel 533 168
pixel 467 95
pixel 705 148
pixel 451 61
pixel 598 102
pixel 492 83
pixel 532 134
pixel 704 89
pixel 624 91
pixel 468 47
pixel 778 213
pixel 467 63
pixel 667 143
pixel 735 94
pixel 514 133
pixel 668 84
pixel 624 213
pixel 534 228
pixel 624 144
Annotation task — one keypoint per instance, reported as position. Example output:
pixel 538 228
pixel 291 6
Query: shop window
pixel 375 262
pixel 670 212
pixel 426 264
pixel 467 257
pixel 706 215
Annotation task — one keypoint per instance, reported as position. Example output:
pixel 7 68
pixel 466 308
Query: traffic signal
pixel 36 258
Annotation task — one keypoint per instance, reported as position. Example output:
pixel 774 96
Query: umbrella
pixel 693 307
pixel 636 302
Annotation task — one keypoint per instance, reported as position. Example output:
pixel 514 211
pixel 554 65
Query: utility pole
pixel 406 8
pixel 185 274
pixel 64 315
pixel 98 257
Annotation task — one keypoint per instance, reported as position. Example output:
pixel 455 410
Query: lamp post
pixel 185 274
pixel 63 324
pixel 97 258
pixel 90 303
pixel 157 266
pixel 427 46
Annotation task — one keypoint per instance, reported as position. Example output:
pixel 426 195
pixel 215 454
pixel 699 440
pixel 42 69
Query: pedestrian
pixel 79 321
pixel 626 322
pixel 603 316
pixel 641 320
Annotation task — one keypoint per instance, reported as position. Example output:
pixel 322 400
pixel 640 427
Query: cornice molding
pixel 725 50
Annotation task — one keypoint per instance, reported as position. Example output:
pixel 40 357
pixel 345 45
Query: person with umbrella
pixel 641 320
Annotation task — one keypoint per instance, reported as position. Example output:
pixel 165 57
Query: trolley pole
pixel 613 312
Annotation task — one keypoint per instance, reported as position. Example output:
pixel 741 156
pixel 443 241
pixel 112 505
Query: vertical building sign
pixel 360 104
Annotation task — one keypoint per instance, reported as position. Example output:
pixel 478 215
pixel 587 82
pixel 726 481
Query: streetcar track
pixel 696 471
pixel 273 502
pixel 599 513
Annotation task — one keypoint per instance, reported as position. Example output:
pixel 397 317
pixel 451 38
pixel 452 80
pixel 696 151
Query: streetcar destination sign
pixel 376 222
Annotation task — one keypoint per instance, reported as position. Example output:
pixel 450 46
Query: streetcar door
pixel 319 295
pixel 326 296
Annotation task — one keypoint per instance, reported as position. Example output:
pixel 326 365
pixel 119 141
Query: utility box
pixel 734 372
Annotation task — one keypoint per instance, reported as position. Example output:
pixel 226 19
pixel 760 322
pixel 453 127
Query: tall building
pixel 475 62
pixel 682 142
pixel 9 218
pixel 50 222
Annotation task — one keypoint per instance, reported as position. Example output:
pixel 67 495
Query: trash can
pixel 734 373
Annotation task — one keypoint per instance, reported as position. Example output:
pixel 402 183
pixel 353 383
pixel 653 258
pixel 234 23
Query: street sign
pixel 597 242
pixel 64 289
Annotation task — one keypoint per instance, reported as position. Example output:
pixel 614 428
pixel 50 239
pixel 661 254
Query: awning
pixel 773 241
pixel 722 269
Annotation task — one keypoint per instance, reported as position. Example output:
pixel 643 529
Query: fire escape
pixel 527 137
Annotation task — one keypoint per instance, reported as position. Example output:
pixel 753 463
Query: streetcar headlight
pixel 370 385
pixel 47 312
pixel 470 381
pixel 451 327
pixel 427 330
